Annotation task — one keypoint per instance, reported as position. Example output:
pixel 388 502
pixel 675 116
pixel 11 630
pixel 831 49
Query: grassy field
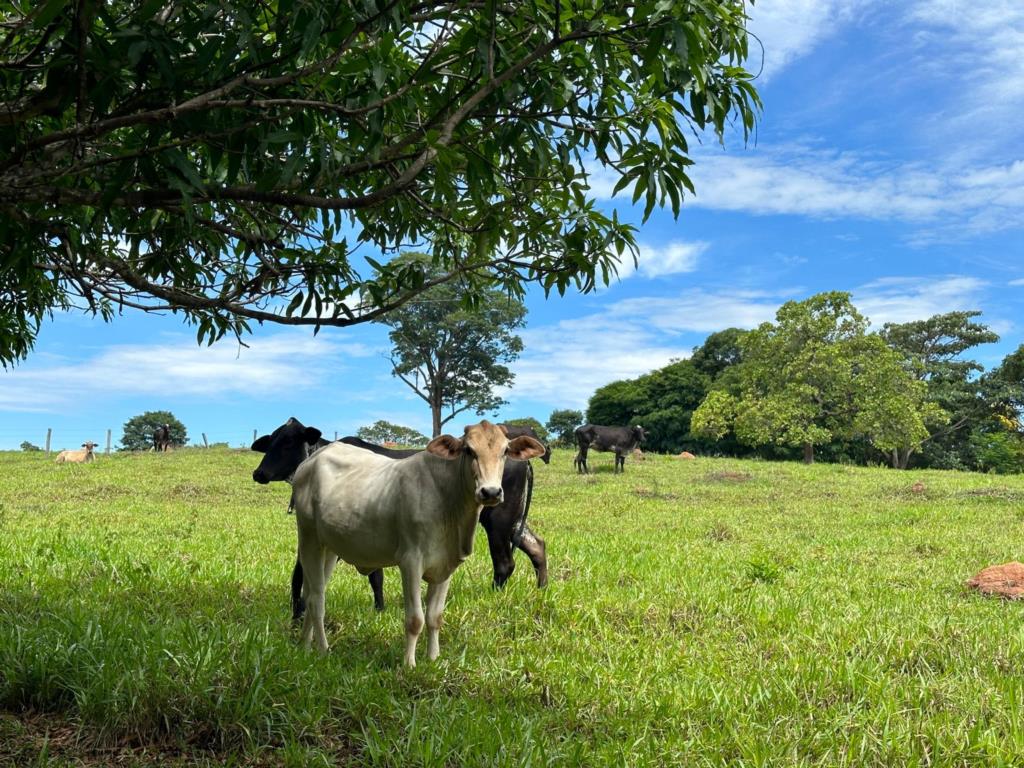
pixel 710 612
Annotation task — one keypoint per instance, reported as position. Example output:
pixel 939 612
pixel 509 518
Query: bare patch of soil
pixel 721 532
pixel 1002 493
pixel 31 738
pixel 728 477
pixel 647 493
pixel 1006 580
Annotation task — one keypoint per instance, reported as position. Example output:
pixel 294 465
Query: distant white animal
pixel 418 513
pixel 77 457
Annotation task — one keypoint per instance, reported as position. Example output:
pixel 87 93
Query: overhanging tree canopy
pixel 224 159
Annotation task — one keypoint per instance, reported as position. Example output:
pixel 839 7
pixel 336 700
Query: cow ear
pixel 261 445
pixel 525 447
pixel 445 446
pixel 312 434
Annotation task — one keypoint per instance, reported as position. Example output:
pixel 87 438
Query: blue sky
pixel 889 163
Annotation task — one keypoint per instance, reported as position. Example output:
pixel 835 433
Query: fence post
pixel 254 435
pixel 108 441
pixel 205 444
pixel 49 431
pixel 335 435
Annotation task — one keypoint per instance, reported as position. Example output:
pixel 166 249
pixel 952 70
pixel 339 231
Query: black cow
pixel 515 430
pixel 505 524
pixel 162 438
pixel 621 440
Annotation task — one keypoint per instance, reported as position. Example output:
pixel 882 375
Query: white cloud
pixel 790 29
pixel 977 45
pixel 564 363
pixel 904 299
pixel 1017 282
pixel 672 258
pixel 701 311
pixel 945 202
pixel 292 361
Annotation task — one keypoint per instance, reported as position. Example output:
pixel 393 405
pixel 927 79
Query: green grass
pixel 709 612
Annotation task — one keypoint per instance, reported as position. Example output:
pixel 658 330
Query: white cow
pixel 418 513
pixel 77 457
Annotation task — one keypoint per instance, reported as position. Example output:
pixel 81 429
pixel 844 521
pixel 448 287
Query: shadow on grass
pixel 186 668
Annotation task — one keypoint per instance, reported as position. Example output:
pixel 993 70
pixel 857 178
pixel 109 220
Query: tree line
pixel 818 384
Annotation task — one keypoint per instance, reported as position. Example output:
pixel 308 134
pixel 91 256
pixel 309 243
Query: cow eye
pixel 470 452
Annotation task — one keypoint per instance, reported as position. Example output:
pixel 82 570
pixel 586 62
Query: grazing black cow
pixel 505 524
pixel 162 438
pixel 515 430
pixel 621 440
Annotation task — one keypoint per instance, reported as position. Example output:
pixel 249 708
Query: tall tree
pixel 815 376
pixel 452 357
pixel 617 403
pixel 720 350
pixel 933 350
pixel 385 432
pixel 562 423
pixel 223 158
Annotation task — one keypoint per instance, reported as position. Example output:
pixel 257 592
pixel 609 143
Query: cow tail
pixel 518 535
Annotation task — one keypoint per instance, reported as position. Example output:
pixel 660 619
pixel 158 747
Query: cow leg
pixel 313 558
pixel 330 560
pixel 412 575
pixel 500 544
pixel 437 594
pixel 581 460
pixel 534 547
pixel 377 585
pixel 298 603
pixel 620 462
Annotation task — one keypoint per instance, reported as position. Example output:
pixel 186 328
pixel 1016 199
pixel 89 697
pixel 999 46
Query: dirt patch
pixel 105 491
pixel 647 493
pixel 1000 493
pixel 187 491
pixel 728 477
pixel 1006 580
pixel 721 532
pixel 34 738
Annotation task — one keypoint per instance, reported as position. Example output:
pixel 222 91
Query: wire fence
pixel 52 440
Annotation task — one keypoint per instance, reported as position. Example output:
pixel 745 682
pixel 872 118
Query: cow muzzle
pixel 489 496
pixel 260 476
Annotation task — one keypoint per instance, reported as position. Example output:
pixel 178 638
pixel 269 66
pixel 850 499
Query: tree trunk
pixel 435 418
pixel 904 457
pixel 808 453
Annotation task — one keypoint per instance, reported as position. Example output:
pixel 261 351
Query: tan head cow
pixel 77 457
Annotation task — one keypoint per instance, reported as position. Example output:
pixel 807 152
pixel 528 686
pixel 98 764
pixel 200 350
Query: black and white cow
pixel 505 524
pixel 620 440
